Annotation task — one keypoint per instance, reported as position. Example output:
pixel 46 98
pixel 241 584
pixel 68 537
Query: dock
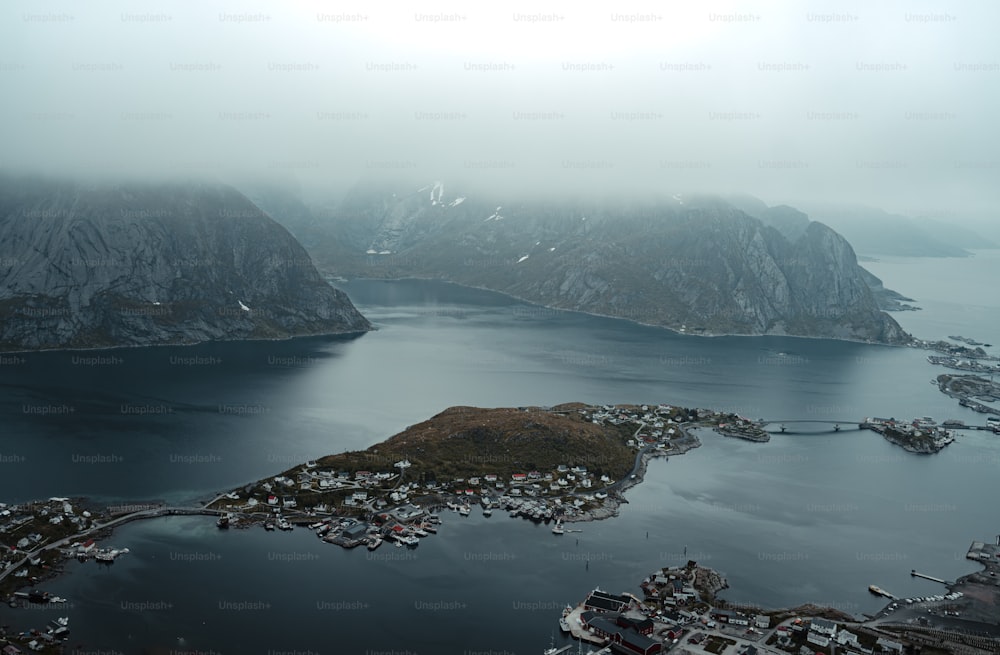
pixel 917 574
pixel 577 631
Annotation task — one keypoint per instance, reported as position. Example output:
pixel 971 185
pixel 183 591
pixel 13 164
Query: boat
pixel 564 619
pixel 879 591
pixel 487 511
pixel 552 650
pixel 558 528
pixel 283 524
pixel 269 526
pixel 427 527
pixel 106 556
pixel 419 532
pixel 464 510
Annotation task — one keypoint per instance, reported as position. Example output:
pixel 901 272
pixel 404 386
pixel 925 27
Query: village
pixel 680 613
pixel 39 537
pixel 358 507
pixel 379 499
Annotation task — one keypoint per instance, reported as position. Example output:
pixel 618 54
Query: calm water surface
pixel 813 516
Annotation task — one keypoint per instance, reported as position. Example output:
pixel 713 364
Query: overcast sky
pixel 893 105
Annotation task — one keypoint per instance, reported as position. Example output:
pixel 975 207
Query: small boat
pixel 464 510
pixel 269 525
pixel 552 650
pixel 427 527
pixel 564 619
pixel 408 540
pixel 374 543
pixel 283 524
pixel 487 511
pixel 106 556
pixel 558 528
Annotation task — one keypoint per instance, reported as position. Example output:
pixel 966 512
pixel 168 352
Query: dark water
pixel 808 517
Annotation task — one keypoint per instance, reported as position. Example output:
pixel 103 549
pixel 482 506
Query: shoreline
pixel 707 335
pixel 188 344
pixel 610 507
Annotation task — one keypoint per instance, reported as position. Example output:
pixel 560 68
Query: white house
pixel 823 627
pixel 820 640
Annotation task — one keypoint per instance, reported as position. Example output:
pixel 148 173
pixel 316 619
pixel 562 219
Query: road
pixel 97 527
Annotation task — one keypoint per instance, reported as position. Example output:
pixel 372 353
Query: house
pixel 762 621
pixel 823 627
pixel 739 619
pixel 722 615
pixel 490 477
pixel 888 646
pixel 816 638
pixel 844 637
pixel 605 602
pixel 355 531
pixel 630 641
pixel 643 626
pixel 272 499
pixel 519 477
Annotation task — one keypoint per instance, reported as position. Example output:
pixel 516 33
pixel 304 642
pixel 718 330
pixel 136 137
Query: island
pixel 560 465
pixel 970 389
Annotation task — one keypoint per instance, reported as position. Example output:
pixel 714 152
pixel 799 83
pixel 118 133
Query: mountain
pixel 102 265
pixel 887 299
pixel 792 223
pixel 875 232
pixel 957 236
pixel 695 265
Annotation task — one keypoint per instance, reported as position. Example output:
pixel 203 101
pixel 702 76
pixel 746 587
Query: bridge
pixel 822 421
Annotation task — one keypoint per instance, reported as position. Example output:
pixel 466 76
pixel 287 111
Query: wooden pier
pixel 917 574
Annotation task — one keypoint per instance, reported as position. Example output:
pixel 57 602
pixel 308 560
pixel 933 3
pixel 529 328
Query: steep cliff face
pixel 702 267
pixel 98 266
